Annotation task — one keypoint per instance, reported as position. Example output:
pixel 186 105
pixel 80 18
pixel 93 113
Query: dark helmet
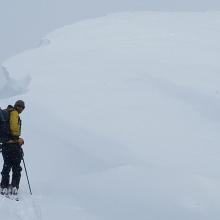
pixel 20 103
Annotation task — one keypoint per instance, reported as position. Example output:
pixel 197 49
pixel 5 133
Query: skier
pixel 11 150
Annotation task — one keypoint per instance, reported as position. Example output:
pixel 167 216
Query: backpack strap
pixel 1 115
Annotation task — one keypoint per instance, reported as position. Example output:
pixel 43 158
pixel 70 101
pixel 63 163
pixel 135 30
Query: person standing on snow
pixel 12 152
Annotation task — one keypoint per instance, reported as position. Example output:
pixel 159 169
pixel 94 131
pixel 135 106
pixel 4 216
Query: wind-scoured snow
pixel 122 119
pixel 11 87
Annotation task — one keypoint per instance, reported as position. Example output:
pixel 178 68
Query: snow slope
pixel 10 87
pixel 122 119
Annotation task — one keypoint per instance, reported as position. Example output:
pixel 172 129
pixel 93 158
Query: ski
pixel 11 197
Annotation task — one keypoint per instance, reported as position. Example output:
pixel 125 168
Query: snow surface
pixel 122 119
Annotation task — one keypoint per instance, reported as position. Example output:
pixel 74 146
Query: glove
pixel 20 141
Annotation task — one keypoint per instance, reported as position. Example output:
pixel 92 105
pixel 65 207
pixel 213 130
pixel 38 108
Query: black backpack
pixel 4 125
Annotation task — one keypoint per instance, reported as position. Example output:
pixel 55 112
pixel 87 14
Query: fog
pixel 24 22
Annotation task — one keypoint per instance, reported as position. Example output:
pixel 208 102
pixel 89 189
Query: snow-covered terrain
pixel 10 87
pixel 122 119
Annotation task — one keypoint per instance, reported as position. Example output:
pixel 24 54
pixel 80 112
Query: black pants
pixel 12 156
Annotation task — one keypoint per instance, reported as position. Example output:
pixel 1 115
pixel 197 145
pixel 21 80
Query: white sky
pixel 24 22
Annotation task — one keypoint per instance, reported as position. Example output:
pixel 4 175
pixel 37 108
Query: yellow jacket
pixel 15 124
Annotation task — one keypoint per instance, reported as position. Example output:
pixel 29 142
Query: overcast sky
pixel 24 22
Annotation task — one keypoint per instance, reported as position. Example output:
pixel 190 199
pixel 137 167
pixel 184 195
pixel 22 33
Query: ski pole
pixel 26 174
